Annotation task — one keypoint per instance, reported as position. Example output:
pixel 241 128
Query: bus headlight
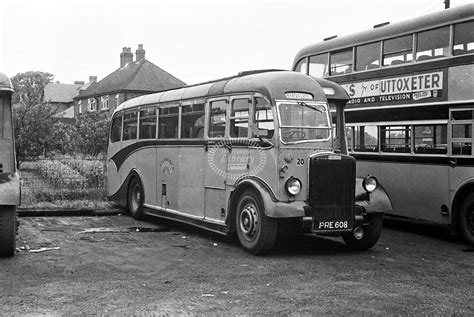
pixel 370 184
pixel 293 186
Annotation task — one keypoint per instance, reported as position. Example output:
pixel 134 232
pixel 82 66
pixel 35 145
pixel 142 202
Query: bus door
pixel 460 141
pixel 216 149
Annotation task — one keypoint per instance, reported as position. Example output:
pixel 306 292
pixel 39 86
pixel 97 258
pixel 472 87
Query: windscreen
pixel 303 121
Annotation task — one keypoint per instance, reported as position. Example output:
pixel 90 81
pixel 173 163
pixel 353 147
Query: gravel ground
pixel 116 265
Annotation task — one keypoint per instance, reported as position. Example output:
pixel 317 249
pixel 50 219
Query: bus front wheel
pixel 371 233
pixel 256 231
pixel 135 198
pixel 466 219
pixel 8 229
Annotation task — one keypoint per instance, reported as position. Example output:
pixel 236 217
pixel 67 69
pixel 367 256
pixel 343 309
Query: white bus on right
pixel 411 114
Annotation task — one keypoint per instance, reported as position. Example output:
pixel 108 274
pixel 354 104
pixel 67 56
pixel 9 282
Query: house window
pixel 117 100
pixel 104 100
pixel 92 104
pixel 79 106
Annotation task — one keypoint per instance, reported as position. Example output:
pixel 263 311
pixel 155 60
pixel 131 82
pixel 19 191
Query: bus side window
pixel 432 44
pixel 301 67
pixel 368 56
pixel 192 121
pixel 318 65
pixel 350 138
pixel 341 62
pixel 463 38
pixel 6 125
pixel 116 130
pixel 263 118
pixel 366 139
pixel 148 123
pixel 239 118
pixel 396 139
pixel 130 124
pixel 431 139
pixel 217 119
pixel 168 123
pixel 398 50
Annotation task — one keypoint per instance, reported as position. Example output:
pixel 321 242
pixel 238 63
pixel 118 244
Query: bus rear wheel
pixel 8 228
pixel 135 198
pixel 466 219
pixel 371 233
pixel 256 231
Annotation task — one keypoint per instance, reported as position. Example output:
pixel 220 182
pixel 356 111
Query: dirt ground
pixel 173 269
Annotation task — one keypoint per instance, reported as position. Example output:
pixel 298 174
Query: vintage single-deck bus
pixel 411 114
pixel 245 154
pixel 9 179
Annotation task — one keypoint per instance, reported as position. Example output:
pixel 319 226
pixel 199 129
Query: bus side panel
pixel 128 165
pixel 6 156
pixel 191 189
pixel 114 180
pixel 168 177
pixel 409 190
pixel 147 170
pixel 458 176
pixel 460 82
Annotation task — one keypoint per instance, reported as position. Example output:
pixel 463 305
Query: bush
pixel 92 170
pixel 61 175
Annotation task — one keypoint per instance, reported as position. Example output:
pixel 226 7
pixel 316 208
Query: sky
pixel 195 41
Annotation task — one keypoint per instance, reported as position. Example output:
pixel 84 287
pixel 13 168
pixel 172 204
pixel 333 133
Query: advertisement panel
pixel 419 88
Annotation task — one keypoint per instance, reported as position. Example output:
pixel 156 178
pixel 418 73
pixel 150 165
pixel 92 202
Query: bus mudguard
pixel 10 188
pixel 376 202
pixel 120 197
pixel 273 208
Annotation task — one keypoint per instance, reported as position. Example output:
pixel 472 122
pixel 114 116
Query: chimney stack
pixel 92 79
pixel 126 56
pixel 140 53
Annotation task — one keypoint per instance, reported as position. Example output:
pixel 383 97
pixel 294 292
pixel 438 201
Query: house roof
pixel 135 76
pixel 54 92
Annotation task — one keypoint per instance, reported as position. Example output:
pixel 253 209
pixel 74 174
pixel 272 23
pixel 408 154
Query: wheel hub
pixel 136 197
pixel 249 222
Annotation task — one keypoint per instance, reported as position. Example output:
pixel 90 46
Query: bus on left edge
pixel 9 178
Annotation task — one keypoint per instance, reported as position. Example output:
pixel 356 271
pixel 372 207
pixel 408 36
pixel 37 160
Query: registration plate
pixel 331 225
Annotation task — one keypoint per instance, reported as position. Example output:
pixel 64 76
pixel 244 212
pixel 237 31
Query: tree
pixel 29 88
pixel 64 138
pixel 92 133
pixel 33 119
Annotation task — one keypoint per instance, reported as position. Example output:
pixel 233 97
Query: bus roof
pixel 269 83
pixel 5 83
pixel 440 18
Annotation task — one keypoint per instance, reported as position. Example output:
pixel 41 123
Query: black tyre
pixel 8 228
pixel 466 219
pixel 372 233
pixel 135 198
pixel 256 231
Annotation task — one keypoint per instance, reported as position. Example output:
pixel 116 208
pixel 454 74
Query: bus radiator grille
pixel 332 187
